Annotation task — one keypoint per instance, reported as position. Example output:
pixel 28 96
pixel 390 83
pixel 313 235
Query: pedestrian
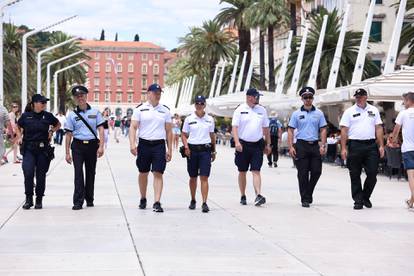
pixel 35 130
pixel 117 128
pixel 12 136
pixel 84 125
pixel 275 130
pixel 310 124
pixel 153 122
pixel 405 120
pixel 250 124
pixel 105 116
pixel 199 142
pixel 61 132
pixel 176 129
pixel 4 124
pixel 362 146
pixel 127 125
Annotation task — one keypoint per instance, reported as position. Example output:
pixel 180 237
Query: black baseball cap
pixel 200 99
pixel 361 92
pixel 154 88
pixel 253 92
pixel 307 90
pixel 79 89
pixel 36 98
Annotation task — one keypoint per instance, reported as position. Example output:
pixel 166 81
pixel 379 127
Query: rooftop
pixel 119 44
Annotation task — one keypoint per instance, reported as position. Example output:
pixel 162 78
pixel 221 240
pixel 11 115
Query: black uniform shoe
pixel 270 165
pixel 157 207
pixel 204 208
pixel 89 204
pixel 305 204
pixel 76 207
pixel 243 200
pixel 192 205
pixel 142 203
pixel 38 204
pixel 358 206
pixel 275 164
pixel 367 203
pixel 28 203
pixel 260 200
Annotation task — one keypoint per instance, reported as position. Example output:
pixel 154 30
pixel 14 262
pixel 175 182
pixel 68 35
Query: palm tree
pixel 71 76
pixel 348 58
pixel 407 35
pixel 267 14
pixel 233 16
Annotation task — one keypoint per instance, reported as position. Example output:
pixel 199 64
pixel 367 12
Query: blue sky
pixel 159 21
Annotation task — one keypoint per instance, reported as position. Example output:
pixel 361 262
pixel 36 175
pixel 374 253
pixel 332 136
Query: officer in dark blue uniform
pixel 310 123
pixel 84 125
pixel 37 127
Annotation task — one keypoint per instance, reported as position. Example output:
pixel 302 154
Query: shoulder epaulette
pixel 166 106
pixel 139 105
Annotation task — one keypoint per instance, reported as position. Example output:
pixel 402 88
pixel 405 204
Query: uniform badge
pixel 244 112
pixel 192 123
pixel 301 117
pixel 92 116
pixel 145 109
pixel 77 119
pixel 356 115
pixel 41 145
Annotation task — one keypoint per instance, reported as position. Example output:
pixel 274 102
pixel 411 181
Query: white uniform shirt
pixel 199 129
pixel 406 119
pixel 250 122
pixel 152 121
pixel 361 122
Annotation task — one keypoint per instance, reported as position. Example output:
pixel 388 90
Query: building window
pixel 107 96
pixel 144 83
pixel 108 82
pixel 157 57
pixel 108 67
pixel 119 68
pixel 143 97
pixel 156 69
pixel 156 80
pixel 97 56
pixel 130 97
pixel 131 68
pixel 119 82
pixel 96 98
pixel 118 97
pixel 378 2
pixel 130 82
pixel 144 69
pixel 96 68
pixel 119 56
pixel 96 81
pixel 378 63
pixel 130 56
pixel 144 56
pixel 108 55
pixel 376 31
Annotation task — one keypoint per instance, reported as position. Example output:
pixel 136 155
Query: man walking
pixel 275 130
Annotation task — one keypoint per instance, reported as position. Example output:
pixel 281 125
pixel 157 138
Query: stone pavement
pixel 281 238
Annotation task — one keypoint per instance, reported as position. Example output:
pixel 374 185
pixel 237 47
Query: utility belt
pixel 151 142
pixel 200 148
pixel 258 143
pixel 307 142
pixel 367 142
pixel 86 142
pixel 35 145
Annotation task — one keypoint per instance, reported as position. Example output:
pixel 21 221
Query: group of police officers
pixel 361 141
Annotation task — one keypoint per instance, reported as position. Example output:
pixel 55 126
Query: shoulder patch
pixel 166 106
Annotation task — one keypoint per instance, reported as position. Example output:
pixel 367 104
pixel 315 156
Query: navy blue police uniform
pixel 84 148
pixel 36 160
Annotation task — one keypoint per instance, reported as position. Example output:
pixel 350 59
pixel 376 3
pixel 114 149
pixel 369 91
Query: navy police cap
pixel 307 90
pixel 200 99
pixel 36 98
pixel 154 88
pixel 361 92
pixel 79 89
pixel 253 92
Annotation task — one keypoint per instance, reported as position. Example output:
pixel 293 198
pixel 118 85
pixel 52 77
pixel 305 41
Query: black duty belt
pixel 308 142
pixel 85 142
pixel 36 144
pixel 151 142
pixel 200 148
pixel 369 141
pixel 251 143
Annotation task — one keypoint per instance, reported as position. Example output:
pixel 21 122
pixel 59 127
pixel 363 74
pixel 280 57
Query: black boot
pixel 38 204
pixel 28 203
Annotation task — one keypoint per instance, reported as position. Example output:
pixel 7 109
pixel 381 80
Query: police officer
pixel 362 145
pixel 199 142
pixel 153 122
pixel 37 127
pixel 84 124
pixel 250 124
pixel 309 123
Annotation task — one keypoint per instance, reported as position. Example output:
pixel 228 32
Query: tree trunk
pixel 262 61
pixel 62 94
pixel 270 41
pixel 244 45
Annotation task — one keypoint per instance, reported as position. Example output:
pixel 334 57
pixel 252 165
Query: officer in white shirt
pixel 199 142
pixel 362 145
pixel 405 120
pixel 250 124
pixel 153 122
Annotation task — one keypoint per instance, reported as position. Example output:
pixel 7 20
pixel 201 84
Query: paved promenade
pixel 281 238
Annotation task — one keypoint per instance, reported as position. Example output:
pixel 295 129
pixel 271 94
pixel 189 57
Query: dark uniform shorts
pixel 199 163
pixel 408 158
pixel 151 157
pixel 252 155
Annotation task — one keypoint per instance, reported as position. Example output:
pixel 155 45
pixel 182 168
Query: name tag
pixel 356 115
pixel 77 119
pixel 160 111
pixel 301 117
pixel 192 123
pixel 371 114
pixel 244 112
pixel 92 116
pixel 145 109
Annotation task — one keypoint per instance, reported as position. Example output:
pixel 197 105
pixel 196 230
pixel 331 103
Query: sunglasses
pixel 308 98
pixel 200 103
pixel 15 106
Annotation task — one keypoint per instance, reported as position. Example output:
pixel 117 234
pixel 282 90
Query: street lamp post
pixel 24 55
pixel 55 80
pixel 49 65
pixel 3 5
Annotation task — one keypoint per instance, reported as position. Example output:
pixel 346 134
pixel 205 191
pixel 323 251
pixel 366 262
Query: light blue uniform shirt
pixel 78 128
pixel 307 123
